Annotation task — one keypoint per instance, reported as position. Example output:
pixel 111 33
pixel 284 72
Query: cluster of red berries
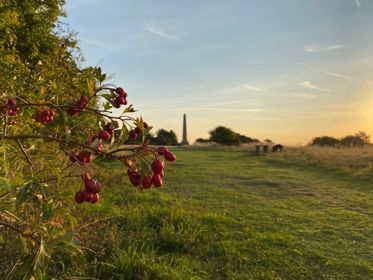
pixel 121 97
pixel 44 115
pixel 135 132
pixel 156 177
pixel 168 155
pixel 82 158
pixel 10 109
pixel 91 189
pixel 79 106
pixel 85 157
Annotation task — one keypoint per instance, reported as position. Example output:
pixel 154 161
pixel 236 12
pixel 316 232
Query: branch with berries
pixel 145 168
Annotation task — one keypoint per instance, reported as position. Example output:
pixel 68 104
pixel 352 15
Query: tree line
pixel 359 139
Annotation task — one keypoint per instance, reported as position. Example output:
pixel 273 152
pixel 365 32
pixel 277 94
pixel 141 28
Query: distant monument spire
pixel 185 140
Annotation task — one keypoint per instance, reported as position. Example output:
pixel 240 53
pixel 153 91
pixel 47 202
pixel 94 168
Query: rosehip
pixel 104 135
pixel 51 112
pixel 87 196
pixel 92 186
pixel 157 180
pixel 157 166
pixel 121 92
pixel 169 156
pixel 146 182
pixel 79 197
pixel 95 198
pixel 120 100
pixel 135 179
pixel 84 99
pixel 10 103
pixel 132 134
pixel 85 177
pixel 162 150
pixel 146 125
pixel 137 130
pixel 81 158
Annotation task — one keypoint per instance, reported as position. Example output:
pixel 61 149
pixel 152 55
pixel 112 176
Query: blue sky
pixel 286 70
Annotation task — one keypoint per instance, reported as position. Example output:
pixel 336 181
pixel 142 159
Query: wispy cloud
pixel 157 31
pixel 358 3
pixel 338 75
pixel 302 95
pixel 242 88
pixel 101 45
pixel 321 48
pixel 251 87
pixel 309 85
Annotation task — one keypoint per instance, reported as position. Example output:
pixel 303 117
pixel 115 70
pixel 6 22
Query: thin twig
pixel 25 154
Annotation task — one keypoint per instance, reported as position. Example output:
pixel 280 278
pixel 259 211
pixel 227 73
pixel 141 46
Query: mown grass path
pixel 226 214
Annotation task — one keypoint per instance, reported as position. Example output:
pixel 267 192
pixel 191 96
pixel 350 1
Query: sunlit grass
pixel 227 214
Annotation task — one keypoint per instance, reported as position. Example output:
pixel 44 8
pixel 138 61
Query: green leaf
pixel 107 106
pixel 123 134
pixel 22 195
pixel 129 109
pixel 90 86
pixel 107 96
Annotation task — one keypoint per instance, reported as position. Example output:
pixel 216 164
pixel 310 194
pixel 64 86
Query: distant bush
pixel 352 141
pixel 226 136
pixel 165 137
pixel 325 141
pixel 358 140
pixel 223 135
pixel 203 141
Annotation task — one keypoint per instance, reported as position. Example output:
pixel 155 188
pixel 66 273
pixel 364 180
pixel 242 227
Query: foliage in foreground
pixel 57 129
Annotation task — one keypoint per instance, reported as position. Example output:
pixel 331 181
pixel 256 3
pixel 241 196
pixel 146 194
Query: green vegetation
pixel 226 136
pixel 227 214
pixel 358 140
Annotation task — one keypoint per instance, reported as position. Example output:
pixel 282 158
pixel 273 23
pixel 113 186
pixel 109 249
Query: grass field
pixel 227 214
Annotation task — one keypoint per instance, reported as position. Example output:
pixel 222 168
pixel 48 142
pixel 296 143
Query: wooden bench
pixel 258 147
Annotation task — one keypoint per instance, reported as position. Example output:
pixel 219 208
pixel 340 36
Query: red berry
pixel 10 103
pixel 146 182
pixel 135 179
pixel 81 158
pixel 121 92
pixel 92 186
pixel 104 135
pixel 79 197
pixel 120 100
pixel 169 156
pixel 157 180
pixel 95 198
pixel 87 196
pixel 157 166
pixel 88 157
pixel 84 99
pixel 162 150
pixel 51 112
pixel 137 130
pixel 146 125
pixel 161 174
pixel 85 177
pixel 132 134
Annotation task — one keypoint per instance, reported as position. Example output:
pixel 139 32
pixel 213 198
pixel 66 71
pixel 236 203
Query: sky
pixel 285 70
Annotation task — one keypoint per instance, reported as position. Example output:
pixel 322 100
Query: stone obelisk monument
pixel 185 140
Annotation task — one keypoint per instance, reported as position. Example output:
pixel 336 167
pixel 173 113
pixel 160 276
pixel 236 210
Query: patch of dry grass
pixel 358 161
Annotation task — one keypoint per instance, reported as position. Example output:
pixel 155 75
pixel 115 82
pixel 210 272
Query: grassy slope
pixel 232 215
